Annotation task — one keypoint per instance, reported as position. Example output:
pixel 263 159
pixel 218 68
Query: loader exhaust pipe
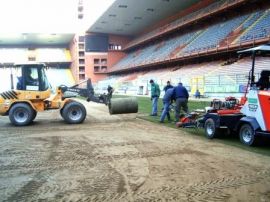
pixel 123 105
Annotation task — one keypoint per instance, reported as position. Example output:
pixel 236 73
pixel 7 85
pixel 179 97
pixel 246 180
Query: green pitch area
pixel 232 140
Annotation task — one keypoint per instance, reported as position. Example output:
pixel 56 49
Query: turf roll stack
pixel 123 105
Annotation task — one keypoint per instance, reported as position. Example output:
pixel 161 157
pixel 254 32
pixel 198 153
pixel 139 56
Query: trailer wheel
pixel 73 113
pixel 210 128
pixel 21 114
pixel 247 134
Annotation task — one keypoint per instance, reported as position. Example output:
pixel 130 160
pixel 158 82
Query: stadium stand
pixel 53 55
pixel 213 35
pixel 155 74
pixel 102 85
pixel 7 55
pixel 39 55
pixel 189 18
pixel 157 52
pixel 202 40
pixel 190 42
pixel 212 78
pixel 259 29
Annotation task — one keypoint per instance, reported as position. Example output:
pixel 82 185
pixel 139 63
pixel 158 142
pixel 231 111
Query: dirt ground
pixel 123 158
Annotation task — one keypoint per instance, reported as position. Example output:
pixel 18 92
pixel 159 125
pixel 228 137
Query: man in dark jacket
pixel 168 98
pixel 264 82
pixel 110 92
pixel 167 86
pixel 181 96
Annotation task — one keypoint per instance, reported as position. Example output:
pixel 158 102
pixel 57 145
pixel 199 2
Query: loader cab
pixel 31 77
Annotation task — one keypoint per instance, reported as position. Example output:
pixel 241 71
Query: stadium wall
pixel 91 66
pixel 95 64
pixel 116 55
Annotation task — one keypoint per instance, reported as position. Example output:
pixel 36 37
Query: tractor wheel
pixel 210 128
pixel 21 114
pixel 73 113
pixel 247 135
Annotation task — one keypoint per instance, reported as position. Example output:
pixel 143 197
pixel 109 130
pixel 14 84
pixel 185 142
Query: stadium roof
pixel 35 39
pixel 130 17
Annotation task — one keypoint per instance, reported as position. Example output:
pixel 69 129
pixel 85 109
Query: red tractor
pixel 249 117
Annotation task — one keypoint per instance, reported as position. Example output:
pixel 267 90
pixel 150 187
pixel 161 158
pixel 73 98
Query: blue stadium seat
pixel 260 29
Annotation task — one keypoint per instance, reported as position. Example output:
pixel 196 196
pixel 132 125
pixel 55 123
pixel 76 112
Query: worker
pixel 197 94
pixel 181 97
pixel 110 92
pixel 155 93
pixel 264 83
pixel 167 86
pixel 29 80
pixel 20 83
pixel 168 98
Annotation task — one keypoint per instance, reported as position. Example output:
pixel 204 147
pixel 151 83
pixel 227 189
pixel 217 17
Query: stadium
pixel 131 157
pixel 161 42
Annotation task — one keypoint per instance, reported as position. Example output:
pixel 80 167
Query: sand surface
pixel 123 158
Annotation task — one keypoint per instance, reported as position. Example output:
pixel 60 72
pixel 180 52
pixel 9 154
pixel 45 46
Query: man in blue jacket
pixel 155 93
pixel 168 98
pixel 181 96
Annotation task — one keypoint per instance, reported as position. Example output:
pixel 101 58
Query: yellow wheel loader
pixel 31 93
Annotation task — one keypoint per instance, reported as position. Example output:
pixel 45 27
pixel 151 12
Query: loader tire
pixel 73 113
pixel 34 115
pixel 210 128
pixel 61 112
pixel 21 114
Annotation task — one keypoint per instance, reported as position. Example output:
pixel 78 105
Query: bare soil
pixel 123 158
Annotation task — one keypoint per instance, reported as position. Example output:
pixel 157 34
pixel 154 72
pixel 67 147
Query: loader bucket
pixel 123 105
